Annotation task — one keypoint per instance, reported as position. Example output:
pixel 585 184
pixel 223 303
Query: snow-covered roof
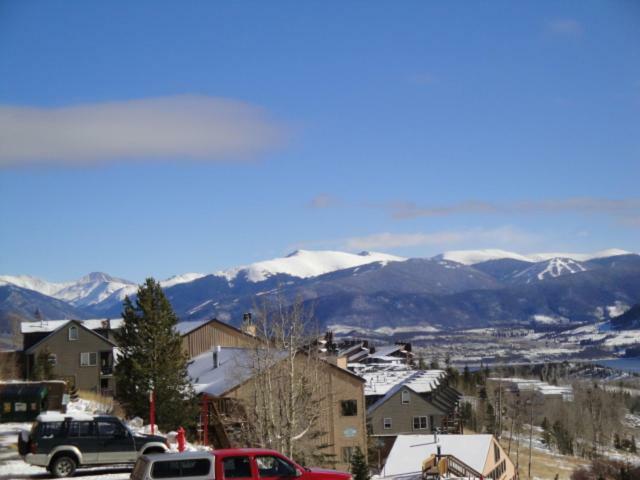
pixel 529 384
pixel 185 327
pixel 235 366
pixel 51 416
pixel 409 451
pixel 51 325
pixel 380 382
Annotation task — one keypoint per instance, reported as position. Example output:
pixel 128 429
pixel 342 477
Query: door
pixel 271 467
pixel 116 443
pixel 83 435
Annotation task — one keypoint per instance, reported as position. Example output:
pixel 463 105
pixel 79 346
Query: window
pixel 496 453
pixel 236 467
pixel 111 429
pixel 349 408
pixel 73 333
pixel 197 467
pixel 81 429
pixel 347 453
pixel 50 430
pixel 270 466
pixel 52 359
pixel 420 423
pixel 166 469
pixel 88 359
pixel 386 423
pixel 406 396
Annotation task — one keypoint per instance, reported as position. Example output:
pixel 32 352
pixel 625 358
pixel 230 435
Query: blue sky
pixel 166 137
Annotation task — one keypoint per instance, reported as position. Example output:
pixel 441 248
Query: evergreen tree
pixel 151 358
pixel 359 467
pixel 546 432
pixel 422 365
pixel 466 376
pixel 632 447
pixel 490 420
pixel 42 366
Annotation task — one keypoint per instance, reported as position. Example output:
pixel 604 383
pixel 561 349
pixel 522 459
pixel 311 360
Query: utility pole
pixel 530 435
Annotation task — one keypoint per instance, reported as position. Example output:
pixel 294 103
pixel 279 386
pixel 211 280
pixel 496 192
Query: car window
pixel 195 467
pixel 110 429
pixel 166 469
pixel 271 466
pixel 81 429
pixel 236 467
pixel 50 430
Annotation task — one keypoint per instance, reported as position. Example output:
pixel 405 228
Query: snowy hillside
pixel 307 263
pixel 93 288
pixel 471 257
pixel 552 268
pixel 33 283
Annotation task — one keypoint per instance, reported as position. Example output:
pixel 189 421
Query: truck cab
pixel 229 464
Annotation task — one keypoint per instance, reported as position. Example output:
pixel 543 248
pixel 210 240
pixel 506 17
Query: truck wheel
pixel 63 466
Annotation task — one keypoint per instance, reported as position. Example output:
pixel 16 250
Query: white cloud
pixel 324 200
pixel 183 126
pixel 566 27
pixel 497 236
pixel 583 205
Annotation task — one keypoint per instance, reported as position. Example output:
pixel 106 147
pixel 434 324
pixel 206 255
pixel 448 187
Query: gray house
pixel 403 410
pixel 76 353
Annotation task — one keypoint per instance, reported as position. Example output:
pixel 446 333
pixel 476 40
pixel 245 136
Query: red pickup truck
pixel 228 464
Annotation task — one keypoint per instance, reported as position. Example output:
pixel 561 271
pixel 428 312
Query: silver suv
pixel 191 465
pixel 61 442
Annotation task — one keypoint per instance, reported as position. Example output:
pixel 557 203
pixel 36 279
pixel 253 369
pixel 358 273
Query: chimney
pixel 248 326
pixel 216 357
pixel 342 362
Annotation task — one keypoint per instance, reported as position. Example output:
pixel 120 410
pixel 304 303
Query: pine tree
pixel 546 432
pixel 151 357
pixel 359 466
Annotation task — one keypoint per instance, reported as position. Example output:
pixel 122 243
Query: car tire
pixel 63 466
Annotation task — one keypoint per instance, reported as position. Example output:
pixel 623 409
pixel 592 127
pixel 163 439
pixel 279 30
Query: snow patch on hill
pixel 33 283
pixel 307 263
pixel 471 257
pixel 178 279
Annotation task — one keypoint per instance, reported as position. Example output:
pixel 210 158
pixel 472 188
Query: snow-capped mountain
pixel 306 263
pixel 369 290
pixel 472 257
pixel 33 283
pixel 94 288
pixel 552 268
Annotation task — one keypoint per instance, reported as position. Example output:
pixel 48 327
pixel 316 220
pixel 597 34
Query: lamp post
pixel 152 410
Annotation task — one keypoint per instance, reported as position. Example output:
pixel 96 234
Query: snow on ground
pixel 625 337
pixel 340 329
pixel 307 263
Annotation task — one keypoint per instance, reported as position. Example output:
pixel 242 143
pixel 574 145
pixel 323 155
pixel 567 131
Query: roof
pixel 409 451
pixel 187 327
pixel 60 327
pixel 235 366
pixel 380 382
pixel 51 325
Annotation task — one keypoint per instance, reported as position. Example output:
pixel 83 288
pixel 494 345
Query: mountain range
pixel 456 289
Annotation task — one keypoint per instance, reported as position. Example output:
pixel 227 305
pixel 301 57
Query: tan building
pixel 77 354
pixel 198 337
pixel 224 379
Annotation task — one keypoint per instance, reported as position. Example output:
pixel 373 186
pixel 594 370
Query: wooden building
pixel 226 385
pixel 199 337
pixel 76 354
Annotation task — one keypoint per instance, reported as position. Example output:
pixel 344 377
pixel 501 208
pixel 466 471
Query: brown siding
pixel 68 356
pixel 338 431
pixel 212 334
pixel 402 414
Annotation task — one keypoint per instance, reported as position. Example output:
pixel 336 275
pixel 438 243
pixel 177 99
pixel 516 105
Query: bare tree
pixel 290 385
